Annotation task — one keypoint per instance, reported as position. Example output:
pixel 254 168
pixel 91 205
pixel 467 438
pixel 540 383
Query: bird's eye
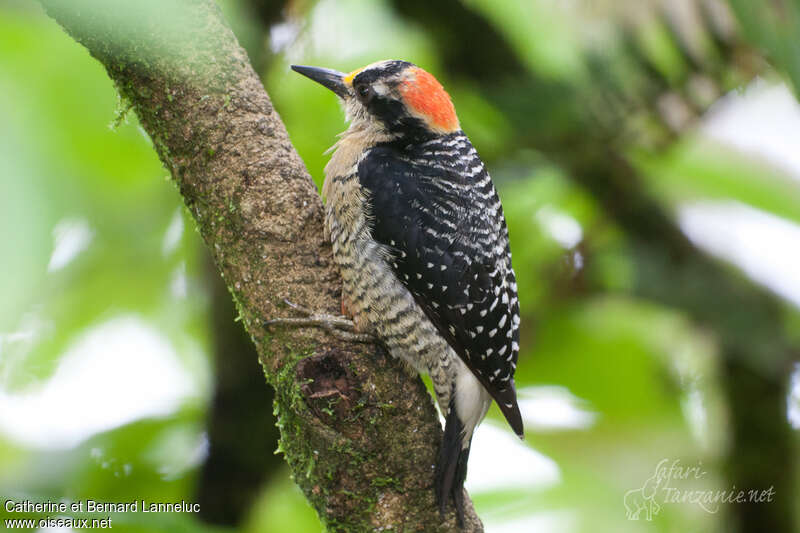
pixel 364 91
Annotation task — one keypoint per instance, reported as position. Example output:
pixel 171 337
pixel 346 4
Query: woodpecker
pixel 419 236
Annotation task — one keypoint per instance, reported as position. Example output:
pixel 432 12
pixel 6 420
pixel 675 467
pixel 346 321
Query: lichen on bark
pixel 359 433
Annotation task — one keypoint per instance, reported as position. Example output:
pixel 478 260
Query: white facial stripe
pixel 380 88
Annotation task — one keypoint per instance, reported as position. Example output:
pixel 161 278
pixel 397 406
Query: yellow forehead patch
pixel 349 78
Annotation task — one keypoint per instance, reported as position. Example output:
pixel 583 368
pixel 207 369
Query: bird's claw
pixel 338 326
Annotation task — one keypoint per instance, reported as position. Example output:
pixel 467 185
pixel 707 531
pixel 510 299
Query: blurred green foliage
pixel 72 152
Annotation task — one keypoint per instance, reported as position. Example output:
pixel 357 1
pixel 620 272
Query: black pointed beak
pixel 332 79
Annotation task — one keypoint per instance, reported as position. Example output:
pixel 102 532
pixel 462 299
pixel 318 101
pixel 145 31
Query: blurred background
pixel 647 156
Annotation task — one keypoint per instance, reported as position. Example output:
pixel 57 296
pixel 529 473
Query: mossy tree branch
pixel 359 434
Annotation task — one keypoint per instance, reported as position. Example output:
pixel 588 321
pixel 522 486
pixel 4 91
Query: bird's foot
pixel 338 326
pixel 345 312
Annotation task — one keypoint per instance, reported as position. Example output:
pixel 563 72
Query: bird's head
pixel 396 97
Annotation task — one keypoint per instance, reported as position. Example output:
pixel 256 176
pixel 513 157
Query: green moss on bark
pixel 359 434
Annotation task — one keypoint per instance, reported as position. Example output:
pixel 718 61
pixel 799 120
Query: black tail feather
pixel 458 486
pixel 451 467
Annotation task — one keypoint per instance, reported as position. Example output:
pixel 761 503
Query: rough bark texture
pixel 359 433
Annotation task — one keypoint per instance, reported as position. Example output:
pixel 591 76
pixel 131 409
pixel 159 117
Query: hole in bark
pixel 329 387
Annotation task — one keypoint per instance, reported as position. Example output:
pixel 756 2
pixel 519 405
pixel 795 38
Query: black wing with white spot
pixel 434 207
